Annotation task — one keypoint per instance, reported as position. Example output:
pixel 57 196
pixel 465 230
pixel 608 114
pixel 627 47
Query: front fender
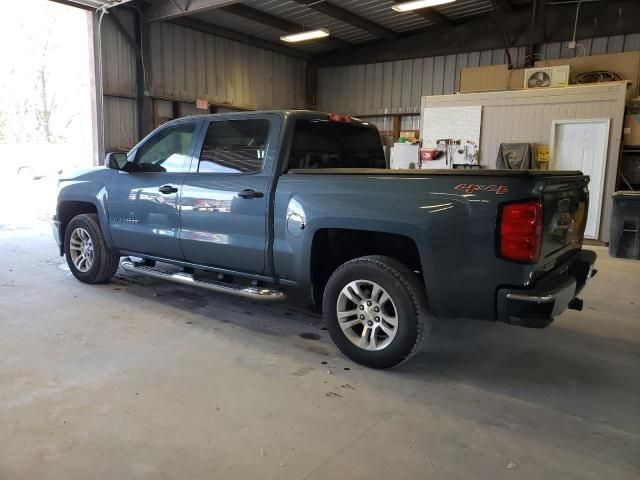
pixel 88 186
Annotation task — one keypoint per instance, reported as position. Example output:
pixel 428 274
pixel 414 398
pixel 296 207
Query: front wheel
pixel 88 256
pixel 376 311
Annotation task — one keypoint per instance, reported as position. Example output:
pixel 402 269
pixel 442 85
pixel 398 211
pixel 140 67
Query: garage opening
pixel 45 104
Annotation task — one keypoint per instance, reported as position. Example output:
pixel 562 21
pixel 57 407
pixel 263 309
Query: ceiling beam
pixel 597 19
pixel 170 9
pixel 435 17
pixel 280 23
pixel 71 3
pixel 346 16
pixel 238 36
pixel 262 17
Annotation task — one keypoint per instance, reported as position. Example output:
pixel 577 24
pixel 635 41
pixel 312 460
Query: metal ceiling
pixel 309 18
pixel 352 23
pixel 96 3
pixel 463 9
pixel 378 11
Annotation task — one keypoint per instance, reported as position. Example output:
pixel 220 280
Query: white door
pixel 582 145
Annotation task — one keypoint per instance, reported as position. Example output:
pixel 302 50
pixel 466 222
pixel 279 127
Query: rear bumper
pixel 549 297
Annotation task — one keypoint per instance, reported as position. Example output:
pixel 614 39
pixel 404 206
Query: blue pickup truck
pixel 255 203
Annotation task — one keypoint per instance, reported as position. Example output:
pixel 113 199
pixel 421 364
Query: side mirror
pixel 115 160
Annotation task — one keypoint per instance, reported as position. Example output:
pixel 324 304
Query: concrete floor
pixel 140 379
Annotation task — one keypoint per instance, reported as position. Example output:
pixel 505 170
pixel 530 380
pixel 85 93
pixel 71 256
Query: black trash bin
pixel 625 226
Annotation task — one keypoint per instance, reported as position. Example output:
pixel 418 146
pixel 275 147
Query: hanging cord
pixel 575 23
pixel 584 52
pixel 101 11
pixel 99 84
pixel 144 68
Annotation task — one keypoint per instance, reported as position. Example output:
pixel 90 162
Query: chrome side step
pixel 252 292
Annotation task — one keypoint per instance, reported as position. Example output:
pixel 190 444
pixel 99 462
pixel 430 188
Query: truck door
pixel 225 196
pixel 143 198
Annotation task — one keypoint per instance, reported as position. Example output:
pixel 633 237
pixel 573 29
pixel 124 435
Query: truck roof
pixel 296 114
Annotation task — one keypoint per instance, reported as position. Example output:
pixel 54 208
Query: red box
pixel 427 154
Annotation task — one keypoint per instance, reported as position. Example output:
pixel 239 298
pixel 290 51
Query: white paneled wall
pixel 526 116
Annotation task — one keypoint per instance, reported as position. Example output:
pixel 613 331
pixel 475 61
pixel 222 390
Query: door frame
pixel 269 173
pixel 603 167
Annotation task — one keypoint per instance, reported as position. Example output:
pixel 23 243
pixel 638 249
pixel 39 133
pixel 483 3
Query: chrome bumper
pixel 549 297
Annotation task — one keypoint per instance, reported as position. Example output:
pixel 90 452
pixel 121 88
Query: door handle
pixel 167 189
pixel 250 193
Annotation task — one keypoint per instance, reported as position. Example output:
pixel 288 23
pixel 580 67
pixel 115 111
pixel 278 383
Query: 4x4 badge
pixel 471 188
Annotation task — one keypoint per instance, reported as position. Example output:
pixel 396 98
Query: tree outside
pixel 45 95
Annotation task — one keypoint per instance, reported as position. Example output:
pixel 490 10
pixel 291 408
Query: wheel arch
pixel 331 247
pixel 68 209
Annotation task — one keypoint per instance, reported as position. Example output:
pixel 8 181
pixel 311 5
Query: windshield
pixel 325 144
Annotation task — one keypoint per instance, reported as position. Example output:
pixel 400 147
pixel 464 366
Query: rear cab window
pixel 325 144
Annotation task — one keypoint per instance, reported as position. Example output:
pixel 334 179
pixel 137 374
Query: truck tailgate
pixel 565 206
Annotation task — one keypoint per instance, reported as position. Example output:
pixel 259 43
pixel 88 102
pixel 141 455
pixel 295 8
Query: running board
pixel 252 292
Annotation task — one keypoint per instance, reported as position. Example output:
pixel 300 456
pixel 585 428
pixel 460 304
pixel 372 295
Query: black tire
pixel 105 260
pixel 410 300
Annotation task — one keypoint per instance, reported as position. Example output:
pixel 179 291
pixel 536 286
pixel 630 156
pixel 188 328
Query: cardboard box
pixel 499 77
pixel 631 130
pixel 410 136
pixel 490 78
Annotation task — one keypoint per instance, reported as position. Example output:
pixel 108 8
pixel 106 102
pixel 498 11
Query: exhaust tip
pixel 576 304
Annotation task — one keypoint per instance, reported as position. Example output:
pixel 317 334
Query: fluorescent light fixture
pixel 418 4
pixel 303 36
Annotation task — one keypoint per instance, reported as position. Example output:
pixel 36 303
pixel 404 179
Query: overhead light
pixel 418 4
pixel 308 35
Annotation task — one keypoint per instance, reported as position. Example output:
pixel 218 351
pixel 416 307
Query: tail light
pixel 334 117
pixel 520 231
pixel 583 209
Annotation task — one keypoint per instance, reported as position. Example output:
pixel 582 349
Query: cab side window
pixel 234 146
pixel 166 151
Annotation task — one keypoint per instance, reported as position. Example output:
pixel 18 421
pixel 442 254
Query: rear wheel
pixel 88 257
pixel 376 311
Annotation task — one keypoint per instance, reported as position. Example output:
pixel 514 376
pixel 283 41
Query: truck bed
pixel 457 172
pixel 455 231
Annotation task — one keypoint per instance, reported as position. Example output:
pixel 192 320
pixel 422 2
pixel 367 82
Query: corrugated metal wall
pixel 186 65
pixel 119 84
pixel 396 87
